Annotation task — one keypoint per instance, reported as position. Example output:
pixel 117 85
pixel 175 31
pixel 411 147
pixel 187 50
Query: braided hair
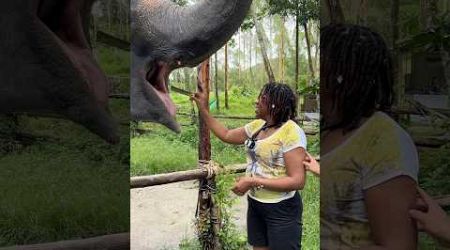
pixel 281 102
pixel 356 69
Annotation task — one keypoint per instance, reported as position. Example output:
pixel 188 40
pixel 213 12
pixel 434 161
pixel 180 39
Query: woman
pixel 370 163
pixel 276 149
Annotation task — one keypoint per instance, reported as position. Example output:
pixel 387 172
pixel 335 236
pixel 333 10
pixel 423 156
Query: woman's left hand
pixel 242 185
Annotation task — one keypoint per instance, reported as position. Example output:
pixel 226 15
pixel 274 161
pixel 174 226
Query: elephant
pixel 47 65
pixel 166 36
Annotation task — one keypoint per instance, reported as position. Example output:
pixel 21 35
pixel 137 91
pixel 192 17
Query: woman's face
pixel 261 107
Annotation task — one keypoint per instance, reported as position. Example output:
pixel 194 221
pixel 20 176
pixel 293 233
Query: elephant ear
pixel 50 69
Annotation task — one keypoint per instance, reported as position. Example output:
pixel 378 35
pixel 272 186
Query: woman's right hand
pixel 201 96
pixel 201 99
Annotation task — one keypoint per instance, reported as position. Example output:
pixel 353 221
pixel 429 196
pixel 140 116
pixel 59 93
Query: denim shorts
pixel 275 225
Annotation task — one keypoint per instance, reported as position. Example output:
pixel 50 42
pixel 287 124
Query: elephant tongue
pixel 168 103
pixel 161 87
pixel 67 30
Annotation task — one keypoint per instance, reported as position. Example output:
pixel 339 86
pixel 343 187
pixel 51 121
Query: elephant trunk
pixel 185 36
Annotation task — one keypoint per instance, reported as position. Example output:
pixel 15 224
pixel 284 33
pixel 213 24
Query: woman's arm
pixel 387 207
pixel 294 180
pixel 232 136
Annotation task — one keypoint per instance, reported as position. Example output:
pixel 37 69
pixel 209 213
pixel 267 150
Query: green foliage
pixel 114 61
pixel 190 244
pixel 309 89
pixel 242 91
pixel 304 10
pixel 435 164
pixel 229 236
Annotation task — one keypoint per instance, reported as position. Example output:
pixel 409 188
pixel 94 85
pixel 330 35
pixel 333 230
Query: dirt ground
pixel 161 216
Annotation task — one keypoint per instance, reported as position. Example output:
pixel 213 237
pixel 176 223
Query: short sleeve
pixel 293 137
pixel 252 127
pixel 392 153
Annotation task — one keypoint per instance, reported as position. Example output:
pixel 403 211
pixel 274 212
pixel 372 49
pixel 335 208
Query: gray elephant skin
pixel 165 37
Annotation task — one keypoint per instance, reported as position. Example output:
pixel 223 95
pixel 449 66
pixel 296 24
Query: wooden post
pixel 111 241
pixel 207 215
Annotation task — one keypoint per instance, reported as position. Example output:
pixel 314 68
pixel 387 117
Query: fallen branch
pixel 105 242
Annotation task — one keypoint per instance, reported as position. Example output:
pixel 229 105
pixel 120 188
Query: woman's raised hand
pixel 201 96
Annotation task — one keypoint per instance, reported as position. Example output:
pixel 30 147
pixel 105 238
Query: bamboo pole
pixel 160 179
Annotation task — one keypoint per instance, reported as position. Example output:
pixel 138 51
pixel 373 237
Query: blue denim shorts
pixel 275 225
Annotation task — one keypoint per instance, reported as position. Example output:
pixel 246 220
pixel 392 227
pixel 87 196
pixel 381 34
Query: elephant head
pixel 47 66
pixel 165 37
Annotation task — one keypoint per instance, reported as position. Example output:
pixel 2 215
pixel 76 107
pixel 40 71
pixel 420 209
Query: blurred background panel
pixel 416 35
pixel 58 180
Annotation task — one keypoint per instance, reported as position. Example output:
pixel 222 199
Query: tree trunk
pixel 226 76
pixel 308 46
pixel 239 56
pixel 216 81
pixel 335 11
pixel 297 71
pixel 281 56
pixel 262 43
pixel 108 5
pixel 250 55
pixel 361 18
pixel 397 65
pixel 428 10
pixel 317 47
pixel 445 57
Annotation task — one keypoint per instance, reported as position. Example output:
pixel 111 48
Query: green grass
pixel 160 151
pixel 311 208
pixel 71 186
pixel 69 183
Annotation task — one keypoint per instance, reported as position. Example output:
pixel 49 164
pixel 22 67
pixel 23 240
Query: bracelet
pixel 255 184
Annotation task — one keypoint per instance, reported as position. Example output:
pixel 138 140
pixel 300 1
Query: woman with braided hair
pixel 275 152
pixel 369 163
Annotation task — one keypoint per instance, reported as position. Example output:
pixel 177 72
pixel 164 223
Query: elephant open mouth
pixel 158 77
pixel 68 25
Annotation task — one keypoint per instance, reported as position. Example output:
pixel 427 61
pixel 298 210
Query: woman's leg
pixel 256 226
pixel 284 224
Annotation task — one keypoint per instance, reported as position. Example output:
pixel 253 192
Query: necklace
pixel 265 127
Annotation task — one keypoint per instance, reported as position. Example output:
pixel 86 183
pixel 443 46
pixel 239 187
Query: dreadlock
pixel 356 68
pixel 281 102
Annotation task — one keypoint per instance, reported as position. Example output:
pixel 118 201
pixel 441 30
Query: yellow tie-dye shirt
pixel 376 152
pixel 266 158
